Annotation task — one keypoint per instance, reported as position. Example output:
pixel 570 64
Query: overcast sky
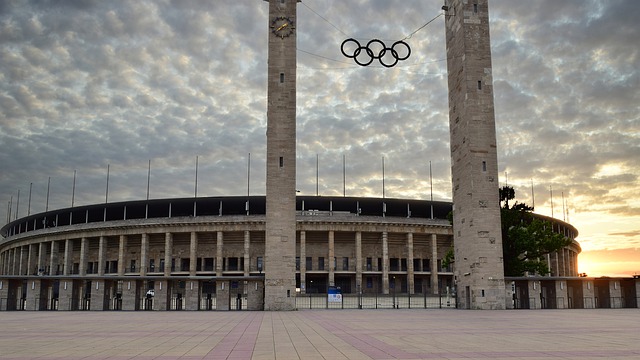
pixel 90 84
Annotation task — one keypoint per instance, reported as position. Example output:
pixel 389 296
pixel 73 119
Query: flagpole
pixel 29 206
pixel 383 177
pixel 18 204
pixel 73 188
pixel 551 193
pixel 533 198
pixel 195 190
pixel 106 194
pixel 564 218
pixel 48 187
pixel 344 176
pixel 148 178
pixel 248 182
pixel 431 183
pixel 9 206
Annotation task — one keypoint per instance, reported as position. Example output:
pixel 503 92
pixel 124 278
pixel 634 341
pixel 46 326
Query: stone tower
pixel 474 162
pixel 280 242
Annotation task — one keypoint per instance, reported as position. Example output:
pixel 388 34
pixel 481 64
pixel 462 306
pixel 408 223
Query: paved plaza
pixel 322 334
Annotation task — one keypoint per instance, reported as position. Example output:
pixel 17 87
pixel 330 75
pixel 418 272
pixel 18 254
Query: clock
pixel 282 26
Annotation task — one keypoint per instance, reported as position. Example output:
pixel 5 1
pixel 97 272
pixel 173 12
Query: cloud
pixel 84 84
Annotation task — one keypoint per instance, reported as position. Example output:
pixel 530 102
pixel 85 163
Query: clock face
pixel 282 26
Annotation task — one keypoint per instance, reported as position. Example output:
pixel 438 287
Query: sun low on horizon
pixel 610 263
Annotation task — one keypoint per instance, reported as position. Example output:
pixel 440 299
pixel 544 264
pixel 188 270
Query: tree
pixel 525 239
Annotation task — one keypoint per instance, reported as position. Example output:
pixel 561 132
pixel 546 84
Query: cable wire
pixel 348 36
pixel 323 18
pixel 421 27
pixel 345 34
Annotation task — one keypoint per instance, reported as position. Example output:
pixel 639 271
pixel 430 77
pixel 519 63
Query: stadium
pixel 208 253
pixel 285 252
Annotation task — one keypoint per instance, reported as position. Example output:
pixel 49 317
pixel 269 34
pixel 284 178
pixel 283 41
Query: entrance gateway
pixel 477 233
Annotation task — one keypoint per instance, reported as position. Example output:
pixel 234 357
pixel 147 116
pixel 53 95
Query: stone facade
pixel 474 164
pixel 279 262
pixel 214 262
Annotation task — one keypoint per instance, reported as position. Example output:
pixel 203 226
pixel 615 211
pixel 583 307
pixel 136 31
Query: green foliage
pixel 448 258
pixel 525 239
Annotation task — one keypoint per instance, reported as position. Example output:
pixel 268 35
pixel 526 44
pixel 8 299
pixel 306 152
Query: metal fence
pixel 375 301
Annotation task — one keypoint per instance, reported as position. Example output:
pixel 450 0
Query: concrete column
pixel 144 254
pixel 33 295
pixel 102 253
pixel 168 253
pixel 222 294
pixel 22 263
pixel 4 295
pixel 6 262
pixel 410 271
pixel 193 255
pixel 474 159
pixel 535 289
pixel 562 294
pixel 219 269
pixel 434 264
pixel 97 295
pixel 588 294
pixel 247 248
pixel 303 262
pixel 6 266
pixel 130 294
pixel 83 256
pixel 161 301
pixel 67 262
pixel 9 262
pixel 564 262
pixel 255 298
pixel 332 263
pixel 14 261
pixel 31 258
pixel 65 295
pixel 192 295
pixel 385 263
pixel 615 294
pixel 41 254
pixel 359 261
pixel 53 261
pixel 122 248
pixel 280 217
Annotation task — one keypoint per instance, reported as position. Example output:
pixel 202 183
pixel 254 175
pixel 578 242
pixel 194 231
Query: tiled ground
pixel 323 334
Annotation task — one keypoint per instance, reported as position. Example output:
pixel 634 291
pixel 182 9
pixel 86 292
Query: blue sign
pixel 334 295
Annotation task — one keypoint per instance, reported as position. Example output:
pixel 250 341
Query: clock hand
pixel 282 27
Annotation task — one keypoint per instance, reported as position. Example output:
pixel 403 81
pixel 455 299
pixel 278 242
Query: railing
pixel 208 302
pixel 376 301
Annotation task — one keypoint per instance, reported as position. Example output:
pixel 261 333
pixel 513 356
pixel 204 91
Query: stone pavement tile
pixel 328 334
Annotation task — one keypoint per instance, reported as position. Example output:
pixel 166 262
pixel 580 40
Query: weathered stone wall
pixel 474 167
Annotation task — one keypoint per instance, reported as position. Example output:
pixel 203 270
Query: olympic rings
pixel 380 48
